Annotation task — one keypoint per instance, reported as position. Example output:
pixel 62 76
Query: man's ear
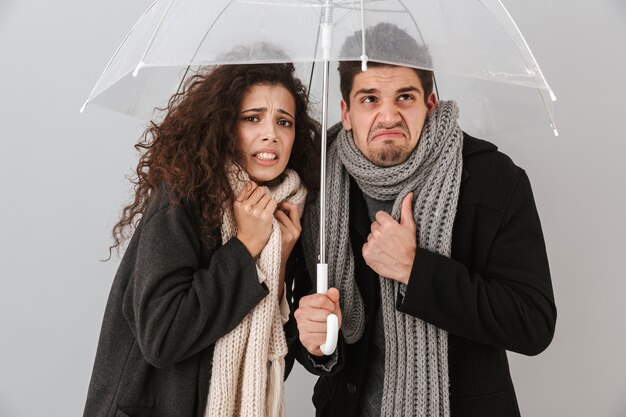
pixel 431 103
pixel 345 120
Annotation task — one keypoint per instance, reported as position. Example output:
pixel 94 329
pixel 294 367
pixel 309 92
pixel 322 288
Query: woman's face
pixel 266 130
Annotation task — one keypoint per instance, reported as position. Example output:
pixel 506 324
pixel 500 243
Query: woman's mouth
pixel 265 158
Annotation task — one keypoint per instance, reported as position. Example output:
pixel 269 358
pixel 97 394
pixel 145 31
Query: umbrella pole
pixel 322 259
pixel 332 321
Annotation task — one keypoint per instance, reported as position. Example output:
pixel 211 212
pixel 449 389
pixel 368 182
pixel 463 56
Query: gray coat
pixel 172 298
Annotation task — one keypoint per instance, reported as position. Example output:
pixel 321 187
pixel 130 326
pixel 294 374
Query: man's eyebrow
pixel 264 109
pixel 409 89
pixel 366 91
pixel 375 90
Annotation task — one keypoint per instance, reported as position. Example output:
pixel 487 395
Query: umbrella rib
pixel 115 54
pixel 530 52
pixel 182 80
pixel 317 41
pixel 414 22
pixel 156 30
pixel 354 8
pixel 551 119
pixel 274 3
pixel 345 15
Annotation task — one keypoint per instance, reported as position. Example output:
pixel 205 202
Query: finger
pixel 375 226
pixel 281 217
pixel 286 231
pixel 406 211
pixel 307 316
pixel 257 195
pixel 294 215
pixel 383 217
pixel 365 252
pixel 317 301
pixel 312 347
pixel 313 350
pixel 284 221
pixel 263 202
pixel 271 206
pixel 313 330
pixel 288 223
pixel 246 190
pixel 333 295
pixel 293 212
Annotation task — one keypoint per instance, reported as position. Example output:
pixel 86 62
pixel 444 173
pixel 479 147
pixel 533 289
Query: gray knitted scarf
pixel 416 353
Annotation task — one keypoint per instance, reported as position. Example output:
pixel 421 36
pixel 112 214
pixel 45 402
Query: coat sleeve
pixel 510 304
pixel 174 307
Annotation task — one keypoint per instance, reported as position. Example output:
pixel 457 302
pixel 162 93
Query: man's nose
pixel 388 114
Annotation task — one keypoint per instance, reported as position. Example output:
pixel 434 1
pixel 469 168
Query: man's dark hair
pixel 388 44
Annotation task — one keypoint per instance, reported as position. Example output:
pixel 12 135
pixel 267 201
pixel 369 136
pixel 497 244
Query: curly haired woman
pixel 194 321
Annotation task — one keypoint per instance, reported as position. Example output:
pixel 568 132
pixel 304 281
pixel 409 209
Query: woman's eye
pixel 250 119
pixel 285 123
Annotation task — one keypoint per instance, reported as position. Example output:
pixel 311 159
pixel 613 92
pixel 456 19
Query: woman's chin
pixel 264 175
pixel 266 179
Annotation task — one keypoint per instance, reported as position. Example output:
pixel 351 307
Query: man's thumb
pixel 406 211
pixel 333 294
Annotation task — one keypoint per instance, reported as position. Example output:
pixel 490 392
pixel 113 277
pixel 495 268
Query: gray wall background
pixel 62 185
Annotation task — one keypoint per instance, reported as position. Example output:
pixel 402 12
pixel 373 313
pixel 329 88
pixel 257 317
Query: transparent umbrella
pixel 476 50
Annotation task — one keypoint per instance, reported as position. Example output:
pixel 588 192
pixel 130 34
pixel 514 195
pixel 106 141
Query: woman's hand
pixel 254 213
pixel 288 216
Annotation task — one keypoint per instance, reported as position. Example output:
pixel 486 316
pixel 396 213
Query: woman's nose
pixel 269 132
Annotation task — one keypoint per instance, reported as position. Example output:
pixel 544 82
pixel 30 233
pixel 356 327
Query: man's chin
pixel 389 157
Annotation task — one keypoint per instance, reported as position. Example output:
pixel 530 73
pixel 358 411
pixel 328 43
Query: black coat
pixel 172 298
pixel 494 293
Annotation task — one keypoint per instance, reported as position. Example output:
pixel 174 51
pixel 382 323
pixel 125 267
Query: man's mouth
pixel 388 134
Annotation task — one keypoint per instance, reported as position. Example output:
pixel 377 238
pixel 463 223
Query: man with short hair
pixel 435 251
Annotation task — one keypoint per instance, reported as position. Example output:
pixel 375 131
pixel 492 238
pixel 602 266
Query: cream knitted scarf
pixel 249 362
pixel 416 353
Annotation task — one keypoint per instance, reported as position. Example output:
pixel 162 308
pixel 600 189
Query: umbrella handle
pixel 332 321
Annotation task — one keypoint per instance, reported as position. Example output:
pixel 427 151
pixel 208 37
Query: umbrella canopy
pixel 474 47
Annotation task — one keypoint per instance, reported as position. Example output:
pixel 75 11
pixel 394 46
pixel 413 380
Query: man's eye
pixel 368 99
pixel 404 97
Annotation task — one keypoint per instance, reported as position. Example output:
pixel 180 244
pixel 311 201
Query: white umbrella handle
pixel 332 321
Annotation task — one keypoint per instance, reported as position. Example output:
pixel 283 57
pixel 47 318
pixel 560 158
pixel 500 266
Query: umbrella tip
pixel 137 68
pixel 556 132
pixel 364 60
pixel 552 95
pixel 82 109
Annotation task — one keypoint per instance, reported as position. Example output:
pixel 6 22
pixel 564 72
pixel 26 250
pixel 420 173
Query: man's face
pixel 387 113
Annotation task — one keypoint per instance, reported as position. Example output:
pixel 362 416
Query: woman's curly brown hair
pixel 189 148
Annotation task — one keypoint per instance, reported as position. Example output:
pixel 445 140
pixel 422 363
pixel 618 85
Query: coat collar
pixel 473 146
